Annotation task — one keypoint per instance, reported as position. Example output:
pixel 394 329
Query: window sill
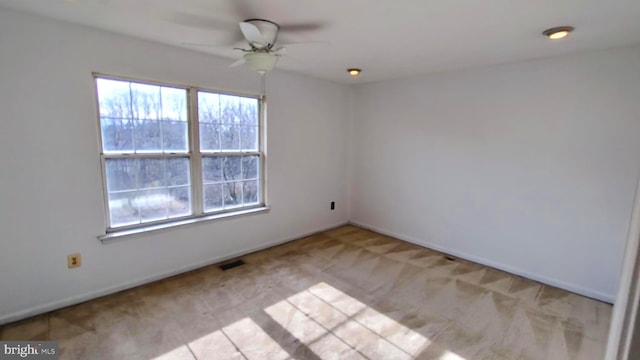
pixel 170 225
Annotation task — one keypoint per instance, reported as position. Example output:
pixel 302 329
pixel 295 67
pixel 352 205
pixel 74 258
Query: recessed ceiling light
pixel 557 32
pixel 354 72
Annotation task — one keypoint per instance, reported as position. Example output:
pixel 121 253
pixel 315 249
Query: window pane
pixel 164 203
pixel 231 171
pixel 250 191
pixel 122 209
pixel 249 111
pixel 121 174
pixel 147 136
pixel 211 169
pixel 209 137
pixel 213 197
pixel 117 135
pixel 174 136
pixel 131 174
pixel 228 122
pixel 232 168
pixel 249 138
pixel 145 100
pixel 250 167
pixel 179 201
pixel 114 98
pixel 178 172
pixel 130 113
pixel 230 137
pixel 147 189
pixel 174 103
pixel 229 109
pixel 153 204
pixel 232 196
pixel 152 173
pixel 208 107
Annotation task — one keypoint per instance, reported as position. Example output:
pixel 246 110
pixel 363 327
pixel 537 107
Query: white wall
pixel 50 178
pixel 527 167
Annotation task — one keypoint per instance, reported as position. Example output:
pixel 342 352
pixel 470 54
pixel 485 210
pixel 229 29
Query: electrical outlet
pixel 74 260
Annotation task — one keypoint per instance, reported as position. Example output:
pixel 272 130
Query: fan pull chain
pixel 263 84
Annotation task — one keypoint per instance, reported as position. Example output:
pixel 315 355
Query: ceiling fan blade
pixel 292 59
pixel 92 2
pixel 211 46
pixel 202 44
pixel 288 44
pixel 252 34
pixel 205 23
pixel 186 19
pixel 302 27
pixel 280 50
pixel 237 62
pixel 243 9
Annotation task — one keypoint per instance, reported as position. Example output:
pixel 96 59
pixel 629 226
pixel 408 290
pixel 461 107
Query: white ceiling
pixel 387 39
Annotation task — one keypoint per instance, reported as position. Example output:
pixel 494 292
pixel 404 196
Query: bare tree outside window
pixel 229 144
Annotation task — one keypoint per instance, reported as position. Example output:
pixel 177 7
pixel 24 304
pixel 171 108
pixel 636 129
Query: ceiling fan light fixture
pixel 261 62
pixel 559 32
pixel 354 71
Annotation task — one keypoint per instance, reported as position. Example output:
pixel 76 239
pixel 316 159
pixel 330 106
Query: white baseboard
pixel 608 298
pixel 55 305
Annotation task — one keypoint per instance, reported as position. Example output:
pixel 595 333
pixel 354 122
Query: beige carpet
pixel 347 293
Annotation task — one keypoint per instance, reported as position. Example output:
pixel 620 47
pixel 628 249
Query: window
pixel 171 153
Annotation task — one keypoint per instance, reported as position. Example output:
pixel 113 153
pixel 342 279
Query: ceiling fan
pixel 261 52
pixel 261 35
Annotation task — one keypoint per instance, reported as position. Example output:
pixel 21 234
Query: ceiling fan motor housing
pixel 268 29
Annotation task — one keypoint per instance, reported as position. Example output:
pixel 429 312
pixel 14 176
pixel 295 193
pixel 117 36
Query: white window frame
pixel 194 156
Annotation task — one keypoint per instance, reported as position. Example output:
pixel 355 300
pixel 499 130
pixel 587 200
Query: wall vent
pixel 231 264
